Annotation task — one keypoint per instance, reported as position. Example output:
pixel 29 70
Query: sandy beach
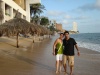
pixel 37 59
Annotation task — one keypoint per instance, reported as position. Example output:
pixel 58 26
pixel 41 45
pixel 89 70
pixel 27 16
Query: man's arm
pixel 54 46
pixel 78 51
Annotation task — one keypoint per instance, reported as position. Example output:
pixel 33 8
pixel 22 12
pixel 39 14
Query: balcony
pixel 7 12
pixel 35 1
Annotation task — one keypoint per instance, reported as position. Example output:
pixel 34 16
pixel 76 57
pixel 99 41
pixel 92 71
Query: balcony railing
pixel 7 17
pixel 35 1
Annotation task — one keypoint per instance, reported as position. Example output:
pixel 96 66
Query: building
pixel 74 27
pixel 9 8
pixel 59 27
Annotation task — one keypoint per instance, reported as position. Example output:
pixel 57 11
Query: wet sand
pixel 37 59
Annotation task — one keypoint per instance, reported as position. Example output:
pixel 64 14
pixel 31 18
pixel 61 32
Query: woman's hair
pixel 61 33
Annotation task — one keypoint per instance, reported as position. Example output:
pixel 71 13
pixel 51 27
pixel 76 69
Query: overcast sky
pixel 85 12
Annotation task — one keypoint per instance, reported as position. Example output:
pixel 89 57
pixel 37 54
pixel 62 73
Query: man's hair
pixel 66 32
pixel 61 33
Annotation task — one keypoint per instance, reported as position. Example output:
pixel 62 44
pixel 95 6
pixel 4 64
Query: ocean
pixel 88 40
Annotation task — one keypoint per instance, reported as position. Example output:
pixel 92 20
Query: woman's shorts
pixel 59 57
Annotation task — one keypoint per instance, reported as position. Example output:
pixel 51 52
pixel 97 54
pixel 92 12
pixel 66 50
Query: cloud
pixel 64 22
pixel 91 22
pixel 81 18
pixel 55 13
pixel 88 7
pixel 67 17
pixel 97 4
pixel 75 18
pixel 59 16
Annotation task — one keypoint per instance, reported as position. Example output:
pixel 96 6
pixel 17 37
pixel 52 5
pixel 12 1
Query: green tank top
pixel 61 49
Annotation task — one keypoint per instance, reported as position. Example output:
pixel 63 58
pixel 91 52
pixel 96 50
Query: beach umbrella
pixel 15 26
pixel 35 29
pixel 42 30
pixel 38 30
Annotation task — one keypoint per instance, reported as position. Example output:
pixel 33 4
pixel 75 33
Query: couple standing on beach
pixel 65 52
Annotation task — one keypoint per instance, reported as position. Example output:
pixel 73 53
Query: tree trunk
pixel 49 36
pixel 17 40
pixel 33 38
pixel 39 38
pixel 43 37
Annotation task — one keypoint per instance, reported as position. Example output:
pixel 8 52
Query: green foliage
pixel 44 21
pixel 52 28
pixel 36 9
pixel 35 19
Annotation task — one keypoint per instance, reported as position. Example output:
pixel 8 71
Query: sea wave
pixel 95 47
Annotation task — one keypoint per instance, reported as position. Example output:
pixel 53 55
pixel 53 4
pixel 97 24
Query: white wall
pixel 15 6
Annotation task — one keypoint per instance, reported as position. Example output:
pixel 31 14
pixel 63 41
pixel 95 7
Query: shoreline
pixel 36 58
pixel 88 50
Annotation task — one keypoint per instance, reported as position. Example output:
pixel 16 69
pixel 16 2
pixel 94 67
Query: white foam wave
pixel 95 47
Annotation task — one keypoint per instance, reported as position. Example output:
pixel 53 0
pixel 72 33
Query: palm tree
pixel 36 10
pixel 35 19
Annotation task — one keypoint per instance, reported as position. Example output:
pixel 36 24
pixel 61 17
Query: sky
pixel 85 12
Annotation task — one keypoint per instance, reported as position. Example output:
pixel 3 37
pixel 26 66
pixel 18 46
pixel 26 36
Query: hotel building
pixel 58 27
pixel 9 8
pixel 74 27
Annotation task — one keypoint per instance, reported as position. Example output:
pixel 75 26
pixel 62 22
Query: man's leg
pixel 65 63
pixel 71 70
pixel 71 63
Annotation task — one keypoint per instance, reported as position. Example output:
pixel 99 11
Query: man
pixel 69 44
pixel 58 44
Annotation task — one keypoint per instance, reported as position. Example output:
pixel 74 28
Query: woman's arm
pixel 54 46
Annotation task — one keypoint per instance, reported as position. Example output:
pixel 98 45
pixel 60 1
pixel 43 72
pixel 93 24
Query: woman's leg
pixel 60 65
pixel 61 61
pixel 57 63
pixel 57 66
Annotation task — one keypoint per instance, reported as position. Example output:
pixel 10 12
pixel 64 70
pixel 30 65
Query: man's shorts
pixel 70 60
pixel 59 57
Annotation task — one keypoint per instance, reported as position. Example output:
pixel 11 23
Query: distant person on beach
pixel 58 45
pixel 69 44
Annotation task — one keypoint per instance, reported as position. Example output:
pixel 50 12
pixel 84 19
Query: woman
pixel 58 44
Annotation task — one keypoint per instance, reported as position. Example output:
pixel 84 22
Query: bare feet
pixel 71 73
pixel 57 72
pixel 65 73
